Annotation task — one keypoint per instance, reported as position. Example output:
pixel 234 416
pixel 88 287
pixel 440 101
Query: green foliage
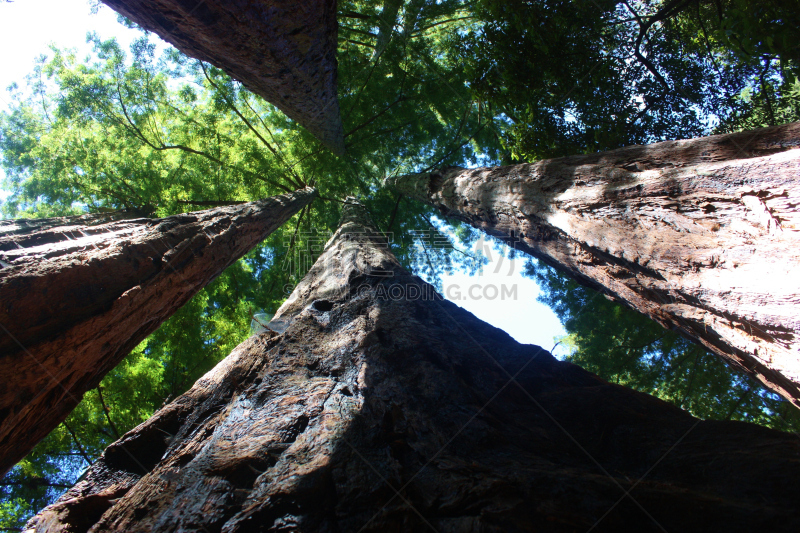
pixel 422 84
pixel 771 105
pixel 590 75
pixel 155 133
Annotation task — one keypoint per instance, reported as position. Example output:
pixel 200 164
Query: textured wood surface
pixel 701 235
pixel 281 50
pixel 76 299
pixel 377 412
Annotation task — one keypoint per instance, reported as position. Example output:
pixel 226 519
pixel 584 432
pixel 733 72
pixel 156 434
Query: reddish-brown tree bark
pixel 702 236
pixel 75 299
pixel 382 407
pixel 21 226
pixel 281 50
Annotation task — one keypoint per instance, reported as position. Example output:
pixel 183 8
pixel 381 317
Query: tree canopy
pixel 592 75
pixel 422 84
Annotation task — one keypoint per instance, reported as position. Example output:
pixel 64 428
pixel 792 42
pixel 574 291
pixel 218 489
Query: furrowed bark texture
pixel 22 226
pixel 702 236
pixel 283 51
pixel 383 408
pixel 76 299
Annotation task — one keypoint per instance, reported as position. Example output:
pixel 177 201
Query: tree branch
pixel 739 402
pixel 358 43
pixel 354 15
pixel 375 117
pixel 277 145
pixel 233 108
pixel 138 133
pixel 354 30
pixel 394 213
pixel 105 410
pixel 764 90
pixel 421 30
pixel 294 235
pixel 691 381
pixel 78 444
pixel 671 8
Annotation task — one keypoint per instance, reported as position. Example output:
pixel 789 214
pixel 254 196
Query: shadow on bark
pixel 378 411
pixel 75 299
pixel 699 235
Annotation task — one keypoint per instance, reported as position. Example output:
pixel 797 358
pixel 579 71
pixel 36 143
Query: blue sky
pixel 27 27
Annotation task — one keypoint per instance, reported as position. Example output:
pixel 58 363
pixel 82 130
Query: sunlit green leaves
pixel 154 131
pixel 422 84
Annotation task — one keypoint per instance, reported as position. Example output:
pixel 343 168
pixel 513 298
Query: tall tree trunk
pixel 282 50
pixel 21 226
pixel 702 236
pixel 75 299
pixel 383 408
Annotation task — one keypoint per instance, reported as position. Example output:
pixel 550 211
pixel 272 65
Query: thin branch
pixel 452 246
pixel 294 236
pixel 691 380
pixel 764 90
pixel 739 402
pixel 128 186
pixel 670 9
pixel 325 198
pixel 310 154
pixel 708 47
pixel 108 414
pixel 375 117
pixel 645 345
pixel 247 122
pixel 354 30
pixel 78 444
pixel 354 15
pixel 267 180
pixel 358 43
pixel 677 363
pixel 377 133
pixel 138 133
pixel 428 258
pixel 394 213
pixel 374 65
pixel 426 28
pixel 271 136
pixel 441 159
pixel 622 21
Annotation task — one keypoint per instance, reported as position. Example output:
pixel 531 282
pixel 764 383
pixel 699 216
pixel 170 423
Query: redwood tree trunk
pixel 383 408
pixel 75 299
pixel 702 236
pixel 282 50
pixel 21 226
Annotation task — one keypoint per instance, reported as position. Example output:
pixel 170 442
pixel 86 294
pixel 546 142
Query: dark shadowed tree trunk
pixel 702 236
pixel 383 408
pixel 75 299
pixel 282 50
